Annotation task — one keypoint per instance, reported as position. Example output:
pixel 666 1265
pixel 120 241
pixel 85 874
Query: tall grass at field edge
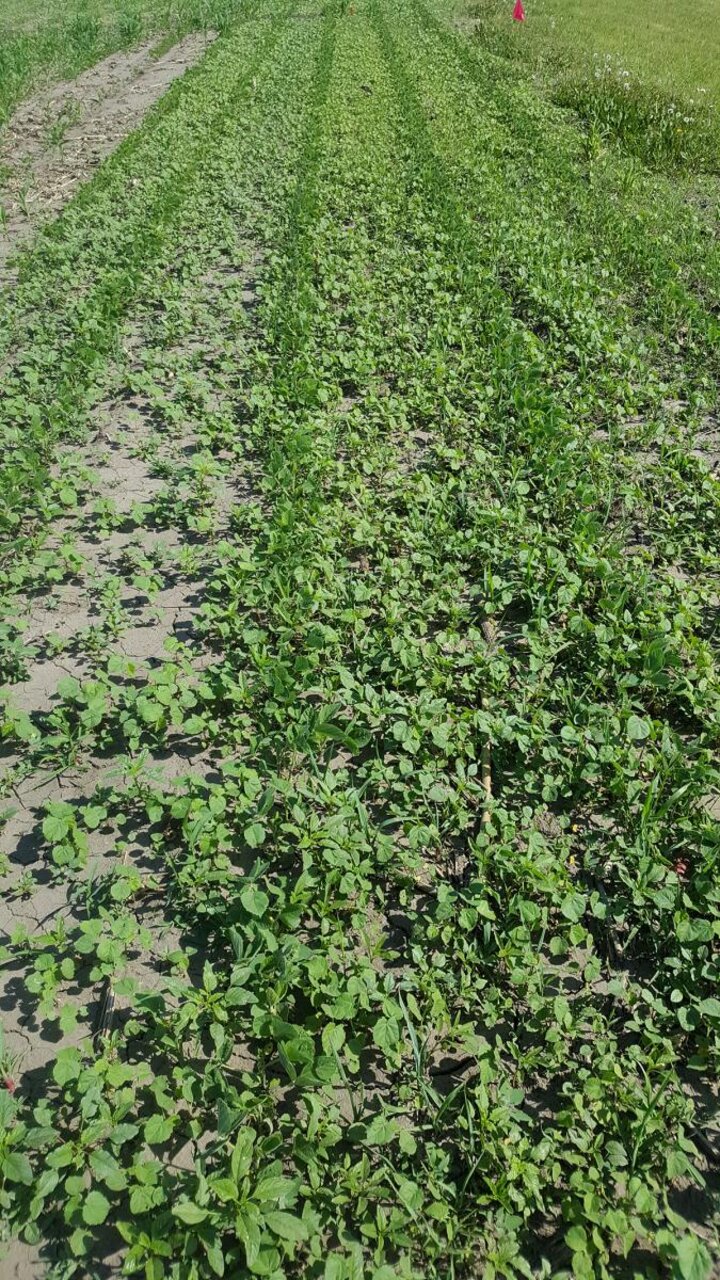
pixel 664 128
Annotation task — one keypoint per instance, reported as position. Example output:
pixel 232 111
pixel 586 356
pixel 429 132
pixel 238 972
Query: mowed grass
pixel 675 44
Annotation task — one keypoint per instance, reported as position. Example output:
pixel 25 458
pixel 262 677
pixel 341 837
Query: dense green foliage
pixel 394 1035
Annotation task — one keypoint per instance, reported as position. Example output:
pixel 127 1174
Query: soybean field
pixel 359 725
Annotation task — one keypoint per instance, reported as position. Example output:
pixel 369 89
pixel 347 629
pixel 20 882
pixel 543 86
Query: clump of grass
pixel 215 15
pixel 663 130
pixel 130 29
pixel 492 28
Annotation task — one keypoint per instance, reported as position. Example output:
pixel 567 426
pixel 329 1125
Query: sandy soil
pixel 120 464
pixel 57 139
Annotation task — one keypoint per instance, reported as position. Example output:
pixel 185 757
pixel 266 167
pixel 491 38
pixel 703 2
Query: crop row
pixel 62 44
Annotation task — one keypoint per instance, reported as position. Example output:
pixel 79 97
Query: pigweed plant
pixel 384 905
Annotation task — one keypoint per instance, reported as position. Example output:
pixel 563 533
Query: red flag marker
pixel 518 11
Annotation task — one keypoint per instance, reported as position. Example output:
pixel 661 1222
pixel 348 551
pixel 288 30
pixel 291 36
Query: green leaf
pixel 710 1008
pixel 286 1225
pixel 407 1142
pixel 241 1158
pixel 55 828
pixel 381 1130
pixel 275 1189
pixel 106 1168
pixel 386 1034
pixel 142 1200
pixel 576 1239
pixel 94 814
pixel 158 1129
pixel 228 1118
pixel 79 1241
pixel 17 1168
pixel 254 835
pixel 67 687
pixel 215 1257
pixel 637 729
pixel 267 1263
pixel 616 1154
pixel 248 1233
pixel 693 1259
pixel 67 1066
pixel 573 906
pixel 225 1189
pixel 333 1038
pixel 122 1133
pixel 254 900
pixel 67 1018
pixel 438 1210
pixel 95 1209
pixel 189 1213
pixel 410 1195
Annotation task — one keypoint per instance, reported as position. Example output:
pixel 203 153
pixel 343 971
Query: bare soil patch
pixel 57 139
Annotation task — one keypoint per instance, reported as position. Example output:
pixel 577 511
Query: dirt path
pixel 57 139
pixel 148 569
